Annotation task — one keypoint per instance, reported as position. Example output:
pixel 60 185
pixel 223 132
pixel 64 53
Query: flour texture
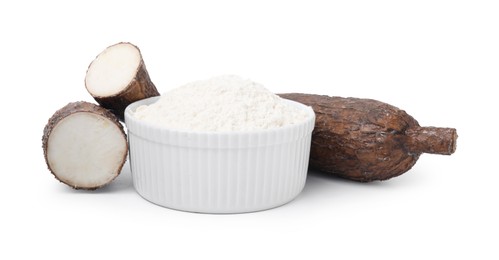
pixel 219 104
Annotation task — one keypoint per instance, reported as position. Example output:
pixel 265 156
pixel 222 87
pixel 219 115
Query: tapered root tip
pixel 435 140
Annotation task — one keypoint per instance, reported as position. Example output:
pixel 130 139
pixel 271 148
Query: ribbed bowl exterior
pixel 218 172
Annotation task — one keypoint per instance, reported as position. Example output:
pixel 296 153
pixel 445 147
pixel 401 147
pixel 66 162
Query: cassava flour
pixel 224 103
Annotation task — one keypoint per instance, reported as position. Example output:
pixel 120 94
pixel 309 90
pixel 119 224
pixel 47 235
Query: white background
pixel 438 60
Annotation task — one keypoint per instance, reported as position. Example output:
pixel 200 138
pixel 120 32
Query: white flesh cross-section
pixel 113 70
pixel 86 150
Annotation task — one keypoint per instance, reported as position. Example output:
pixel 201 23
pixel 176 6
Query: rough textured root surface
pixel 365 139
pixel 79 108
pixel 140 87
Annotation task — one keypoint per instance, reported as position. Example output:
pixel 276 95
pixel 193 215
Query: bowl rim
pixel 223 139
pixel 148 101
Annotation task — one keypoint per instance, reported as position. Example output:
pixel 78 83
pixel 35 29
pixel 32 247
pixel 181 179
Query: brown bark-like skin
pixel 70 109
pixel 139 88
pixel 366 140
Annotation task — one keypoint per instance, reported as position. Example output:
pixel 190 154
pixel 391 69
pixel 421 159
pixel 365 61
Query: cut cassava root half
pixel 118 77
pixel 366 140
pixel 84 145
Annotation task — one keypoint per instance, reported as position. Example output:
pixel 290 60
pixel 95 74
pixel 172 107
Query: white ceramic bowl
pixel 218 172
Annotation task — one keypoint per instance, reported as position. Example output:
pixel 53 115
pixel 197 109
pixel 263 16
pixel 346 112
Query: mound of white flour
pixel 225 103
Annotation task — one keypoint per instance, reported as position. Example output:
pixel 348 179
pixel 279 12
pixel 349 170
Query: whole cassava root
pixel 118 77
pixel 366 140
pixel 84 145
